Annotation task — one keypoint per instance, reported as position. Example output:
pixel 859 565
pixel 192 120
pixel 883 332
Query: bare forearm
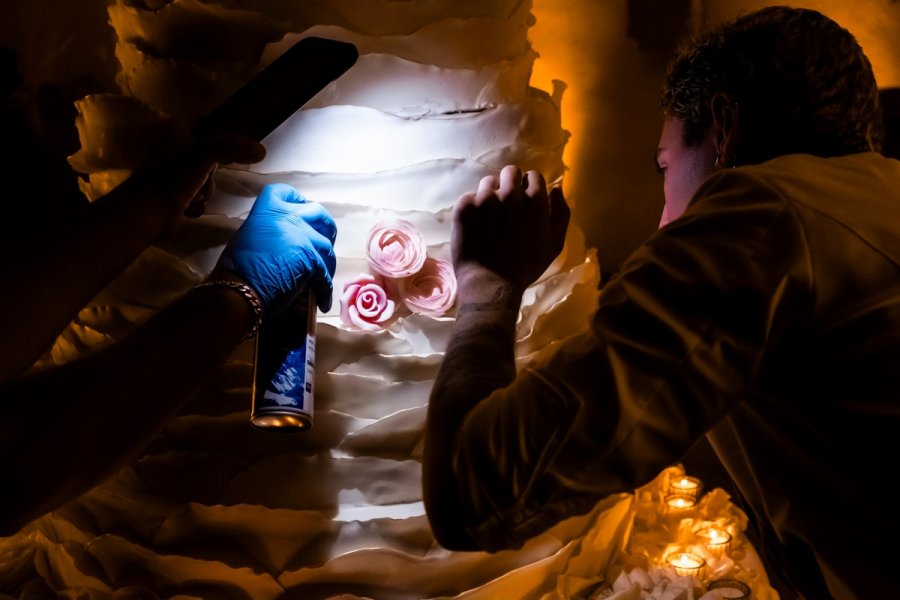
pixel 479 359
pixel 73 426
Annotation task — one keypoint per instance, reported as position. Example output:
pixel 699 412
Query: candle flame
pixel 685 560
pixel 680 502
pixel 716 536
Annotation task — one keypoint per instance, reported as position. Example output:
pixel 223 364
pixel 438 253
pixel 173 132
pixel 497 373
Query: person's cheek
pixel 664 218
pixel 673 191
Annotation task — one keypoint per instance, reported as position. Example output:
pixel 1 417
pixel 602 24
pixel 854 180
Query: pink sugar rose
pixel 432 290
pixel 365 304
pixel 396 249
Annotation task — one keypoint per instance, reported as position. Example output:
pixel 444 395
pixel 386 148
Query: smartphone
pixel 280 89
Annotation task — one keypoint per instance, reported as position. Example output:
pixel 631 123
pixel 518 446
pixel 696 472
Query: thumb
pixel 186 172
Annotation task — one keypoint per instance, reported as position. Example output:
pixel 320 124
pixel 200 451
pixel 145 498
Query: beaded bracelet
pixel 249 295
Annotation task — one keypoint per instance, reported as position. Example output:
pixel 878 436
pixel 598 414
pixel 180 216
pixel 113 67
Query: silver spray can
pixel 284 369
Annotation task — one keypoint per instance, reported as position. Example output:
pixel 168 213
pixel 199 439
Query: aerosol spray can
pixel 284 369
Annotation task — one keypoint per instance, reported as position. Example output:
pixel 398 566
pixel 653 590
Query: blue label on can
pixel 284 370
pixel 289 385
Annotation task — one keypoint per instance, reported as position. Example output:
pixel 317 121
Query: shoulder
pixel 803 179
pixel 733 206
pixel 742 230
pixel 856 192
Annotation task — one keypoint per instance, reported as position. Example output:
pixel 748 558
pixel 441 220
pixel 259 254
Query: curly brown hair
pixel 801 81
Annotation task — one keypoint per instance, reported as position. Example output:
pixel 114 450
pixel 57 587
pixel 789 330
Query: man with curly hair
pixel 764 314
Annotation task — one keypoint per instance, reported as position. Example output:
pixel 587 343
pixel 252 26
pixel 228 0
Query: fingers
pixel 185 174
pixel 225 149
pixel 465 200
pixel 274 194
pixel 197 206
pixel 534 184
pixel 487 188
pixel 322 237
pixel 282 198
pixel 325 249
pixel 323 289
pixel 280 201
pixel 192 167
pixel 510 181
pixel 321 281
pixel 512 185
pixel 509 185
pixel 316 216
pixel 286 193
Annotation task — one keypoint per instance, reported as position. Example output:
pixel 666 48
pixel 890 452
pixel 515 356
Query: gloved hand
pixel 285 246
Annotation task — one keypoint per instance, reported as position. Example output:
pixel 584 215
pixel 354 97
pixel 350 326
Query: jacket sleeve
pixel 674 345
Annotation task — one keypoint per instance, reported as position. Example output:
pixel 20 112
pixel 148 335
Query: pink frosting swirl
pixel 432 290
pixel 365 303
pixel 396 249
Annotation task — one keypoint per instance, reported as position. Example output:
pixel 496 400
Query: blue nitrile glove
pixel 285 246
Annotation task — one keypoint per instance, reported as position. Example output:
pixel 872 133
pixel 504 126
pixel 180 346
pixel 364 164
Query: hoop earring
pixel 719 165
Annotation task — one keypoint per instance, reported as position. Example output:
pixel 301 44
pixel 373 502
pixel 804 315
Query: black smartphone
pixel 280 89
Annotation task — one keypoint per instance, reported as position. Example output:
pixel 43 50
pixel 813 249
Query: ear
pixel 726 121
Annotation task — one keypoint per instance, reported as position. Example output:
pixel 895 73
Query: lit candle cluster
pixel 704 553
pixel 684 544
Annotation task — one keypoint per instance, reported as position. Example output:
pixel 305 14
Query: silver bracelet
pixel 249 295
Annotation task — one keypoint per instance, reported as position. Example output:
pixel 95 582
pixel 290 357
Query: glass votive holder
pixel 730 588
pixel 686 563
pixel 686 485
pixel 680 505
pixel 716 540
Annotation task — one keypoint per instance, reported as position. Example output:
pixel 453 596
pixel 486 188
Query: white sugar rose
pixel 365 303
pixel 396 249
pixel 432 290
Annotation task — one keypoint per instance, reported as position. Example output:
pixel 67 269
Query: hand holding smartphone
pixel 273 95
pixel 280 89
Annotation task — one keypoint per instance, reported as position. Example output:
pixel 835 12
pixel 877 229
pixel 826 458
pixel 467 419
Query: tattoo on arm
pixel 501 300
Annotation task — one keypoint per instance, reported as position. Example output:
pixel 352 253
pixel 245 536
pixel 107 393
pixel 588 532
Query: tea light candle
pixel 716 540
pixel 686 485
pixel 680 504
pixel 731 589
pixel 686 563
